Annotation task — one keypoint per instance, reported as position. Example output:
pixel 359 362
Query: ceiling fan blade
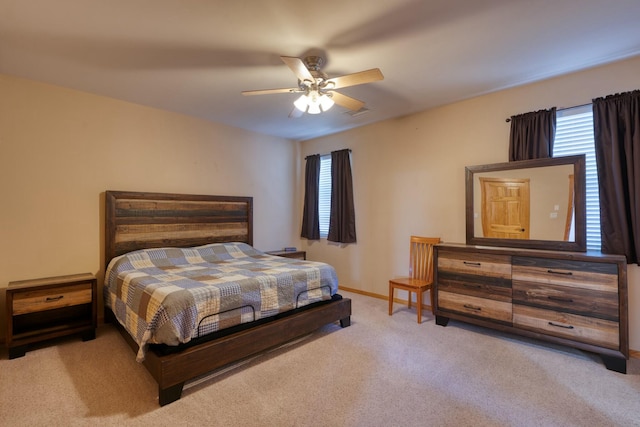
pixel 346 101
pixel 356 78
pixel 298 68
pixel 268 91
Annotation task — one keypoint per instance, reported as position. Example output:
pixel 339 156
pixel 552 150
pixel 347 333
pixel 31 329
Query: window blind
pixel 574 135
pixel 324 202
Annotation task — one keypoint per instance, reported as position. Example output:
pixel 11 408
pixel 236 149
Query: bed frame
pixel 137 220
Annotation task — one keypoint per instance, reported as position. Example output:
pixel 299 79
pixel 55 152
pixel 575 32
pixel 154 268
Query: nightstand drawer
pixel 49 299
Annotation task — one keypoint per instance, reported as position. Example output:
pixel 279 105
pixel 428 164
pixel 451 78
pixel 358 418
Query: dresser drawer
pixel 479 307
pixel 49 299
pixel 569 299
pixel 478 286
pixel 466 263
pixel 600 332
pixel 585 275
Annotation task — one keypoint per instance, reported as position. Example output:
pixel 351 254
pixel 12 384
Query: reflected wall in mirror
pixel 537 204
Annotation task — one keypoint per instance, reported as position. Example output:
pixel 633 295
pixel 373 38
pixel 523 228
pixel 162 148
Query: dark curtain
pixel 616 131
pixel 310 214
pixel 532 135
pixel 342 222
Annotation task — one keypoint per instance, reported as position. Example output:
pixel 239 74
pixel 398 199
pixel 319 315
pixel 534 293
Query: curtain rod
pixel 325 154
pixel 508 119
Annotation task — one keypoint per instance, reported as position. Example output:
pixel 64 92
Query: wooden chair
pixel 420 273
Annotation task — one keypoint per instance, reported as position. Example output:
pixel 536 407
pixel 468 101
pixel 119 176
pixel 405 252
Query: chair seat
pixel 410 283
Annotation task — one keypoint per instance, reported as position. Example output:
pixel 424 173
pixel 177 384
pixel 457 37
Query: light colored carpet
pixel 380 371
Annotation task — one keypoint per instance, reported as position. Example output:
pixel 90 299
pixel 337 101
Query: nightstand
pixel 42 309
pixel 289 254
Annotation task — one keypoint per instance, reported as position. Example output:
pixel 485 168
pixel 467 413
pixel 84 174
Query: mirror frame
pixel 579 192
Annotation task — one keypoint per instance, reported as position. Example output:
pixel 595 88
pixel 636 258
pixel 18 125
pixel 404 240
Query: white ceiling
pixel 196 56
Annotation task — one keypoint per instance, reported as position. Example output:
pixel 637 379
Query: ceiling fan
pixel 317 89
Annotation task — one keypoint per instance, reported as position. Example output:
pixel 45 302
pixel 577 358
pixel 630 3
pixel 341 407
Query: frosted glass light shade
pixel 301 103
pixel 326 102
pixel 313 103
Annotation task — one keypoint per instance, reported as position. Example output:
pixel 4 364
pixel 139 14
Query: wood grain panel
pixel 128 233
pixel 153 210
pixel 591 330
pixel 475 263
pixel 598 276
pixel 574 300
pixel 480 307
pixel 603 282
pixel 479 286
pixel 47 300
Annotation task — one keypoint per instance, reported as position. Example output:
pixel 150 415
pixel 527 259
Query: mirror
pixel 535 204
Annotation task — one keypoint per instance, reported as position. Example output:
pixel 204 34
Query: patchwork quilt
pixel 172 295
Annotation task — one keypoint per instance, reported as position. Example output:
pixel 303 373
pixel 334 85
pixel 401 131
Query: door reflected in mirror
pixel 529 203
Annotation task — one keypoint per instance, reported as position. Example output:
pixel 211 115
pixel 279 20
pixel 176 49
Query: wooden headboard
pixel 136 220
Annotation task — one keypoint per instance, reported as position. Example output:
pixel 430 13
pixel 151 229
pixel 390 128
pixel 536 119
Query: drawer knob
pixel 54 299
pixel 564 273
pixel 560 326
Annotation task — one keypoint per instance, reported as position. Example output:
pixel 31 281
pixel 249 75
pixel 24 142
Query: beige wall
pixel 409 173
pixel 61 149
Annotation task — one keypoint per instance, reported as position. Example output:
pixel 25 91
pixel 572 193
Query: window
pixel 574 135
pixel 324 202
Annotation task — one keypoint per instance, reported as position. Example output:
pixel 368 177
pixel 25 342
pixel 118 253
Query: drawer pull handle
pixel 471 307
pixel 552 298
pixel 54 299
pixel 473 264
pixel 564 273
pixel 561 326
pixel 466 285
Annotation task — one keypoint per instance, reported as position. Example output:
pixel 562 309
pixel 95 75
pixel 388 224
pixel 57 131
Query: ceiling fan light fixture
pixel 314 102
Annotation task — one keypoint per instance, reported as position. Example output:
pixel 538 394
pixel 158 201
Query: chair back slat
pixel 421 257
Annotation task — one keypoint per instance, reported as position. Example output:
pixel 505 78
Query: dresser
pixel 570 298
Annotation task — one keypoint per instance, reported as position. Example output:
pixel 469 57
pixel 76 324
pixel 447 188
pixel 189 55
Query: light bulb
pixel 313 99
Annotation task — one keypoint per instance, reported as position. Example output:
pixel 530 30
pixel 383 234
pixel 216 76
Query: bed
pixel 197 250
